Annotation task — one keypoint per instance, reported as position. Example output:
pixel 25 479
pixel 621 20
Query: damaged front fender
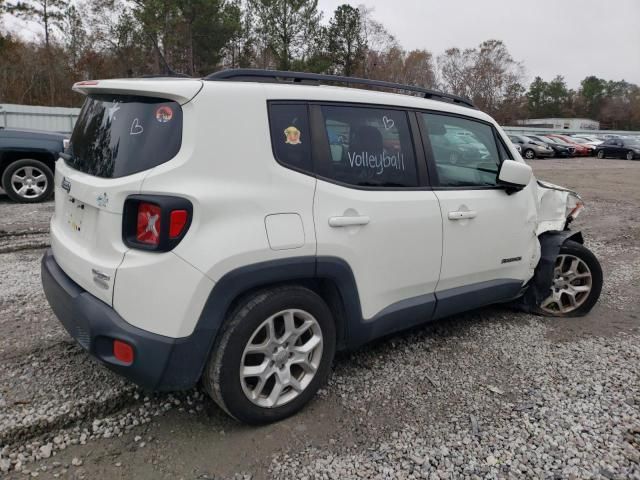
pixel 539 287
pixel 557 207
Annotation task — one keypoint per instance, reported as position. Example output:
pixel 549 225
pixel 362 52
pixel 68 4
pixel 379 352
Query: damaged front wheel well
pixel 539 286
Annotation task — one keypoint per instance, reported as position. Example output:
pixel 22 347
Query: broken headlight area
pixel 557 208
pixel 575 205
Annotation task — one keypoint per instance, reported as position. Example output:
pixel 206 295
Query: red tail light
pixel 149 224
pixel 155 222
pixel 177 221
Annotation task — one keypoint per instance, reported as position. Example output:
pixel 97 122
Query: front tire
pixel 274 353
pixel 577 282
pixel 600 154
pixel 529 154
pixel 28 181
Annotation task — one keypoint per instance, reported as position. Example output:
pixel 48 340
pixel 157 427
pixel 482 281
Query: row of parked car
pixel 576 145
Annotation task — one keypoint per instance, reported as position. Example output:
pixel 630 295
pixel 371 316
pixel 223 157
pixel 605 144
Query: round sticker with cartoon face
pixel 292 135
pixel 164 114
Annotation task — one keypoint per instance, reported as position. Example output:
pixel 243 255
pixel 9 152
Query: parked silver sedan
pixel 530 148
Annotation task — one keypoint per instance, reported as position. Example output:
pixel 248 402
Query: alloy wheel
pixel 29 182
pixel 629 155
pixel 572 282
pixel 529 154
pixel 281 358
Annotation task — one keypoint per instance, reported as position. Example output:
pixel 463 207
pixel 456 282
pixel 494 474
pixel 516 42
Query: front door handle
pixel 348 221
pixel 461 215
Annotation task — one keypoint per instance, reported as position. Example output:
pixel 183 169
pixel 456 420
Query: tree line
pixel 85 39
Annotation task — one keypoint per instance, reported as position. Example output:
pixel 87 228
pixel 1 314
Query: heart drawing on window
pixel 136 128
pixel 388 122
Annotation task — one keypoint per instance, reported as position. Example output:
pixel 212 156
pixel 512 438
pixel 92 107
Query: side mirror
pixel 514 175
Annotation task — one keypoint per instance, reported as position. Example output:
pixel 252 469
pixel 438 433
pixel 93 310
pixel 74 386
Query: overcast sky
pixel 573 38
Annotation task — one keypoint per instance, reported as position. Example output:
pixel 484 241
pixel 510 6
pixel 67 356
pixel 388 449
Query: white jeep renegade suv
pixel 240 228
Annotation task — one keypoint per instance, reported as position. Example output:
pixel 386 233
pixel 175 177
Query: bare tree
pixel 484 74
pixel 419 69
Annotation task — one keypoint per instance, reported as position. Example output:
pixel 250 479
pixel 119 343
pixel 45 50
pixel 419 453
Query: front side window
pixel 473 162
pixel 368 147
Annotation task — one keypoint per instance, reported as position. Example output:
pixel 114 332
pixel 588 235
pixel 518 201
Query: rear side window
pixel 368 147
pixel 465 152
pixel 290 135
pixel 118 135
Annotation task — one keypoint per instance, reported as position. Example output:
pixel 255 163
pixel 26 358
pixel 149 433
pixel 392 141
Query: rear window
pixel 118 135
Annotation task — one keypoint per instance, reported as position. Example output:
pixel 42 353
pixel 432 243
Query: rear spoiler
pixel 181 90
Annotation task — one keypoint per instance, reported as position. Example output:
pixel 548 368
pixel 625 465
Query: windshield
pixel 118 135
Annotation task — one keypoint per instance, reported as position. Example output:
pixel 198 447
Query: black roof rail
pixel 257 75
pixel 171 74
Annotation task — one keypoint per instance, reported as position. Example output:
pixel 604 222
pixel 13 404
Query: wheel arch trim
pixel 540 284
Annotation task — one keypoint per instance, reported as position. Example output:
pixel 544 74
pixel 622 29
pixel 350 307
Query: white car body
pixel 402 245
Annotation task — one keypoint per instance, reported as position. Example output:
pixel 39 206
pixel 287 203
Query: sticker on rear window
pixel 164 114
pixel 292 135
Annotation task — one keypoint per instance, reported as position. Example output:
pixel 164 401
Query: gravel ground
pixel 490 394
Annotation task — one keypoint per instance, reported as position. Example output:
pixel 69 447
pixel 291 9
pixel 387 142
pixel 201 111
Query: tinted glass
pixel 369 147
pixel 118 135
pixel 474 163
pixel 290 135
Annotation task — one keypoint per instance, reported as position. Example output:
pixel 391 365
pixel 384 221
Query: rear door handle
pixel 461 215
pixel 348 221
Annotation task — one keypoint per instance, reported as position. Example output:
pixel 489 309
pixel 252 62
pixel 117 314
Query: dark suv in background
pixel 27 163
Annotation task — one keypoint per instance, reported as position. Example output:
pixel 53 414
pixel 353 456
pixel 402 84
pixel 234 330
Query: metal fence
pixel 524 130
pixel 53 119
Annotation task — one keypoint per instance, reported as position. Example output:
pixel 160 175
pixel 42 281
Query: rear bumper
pixel 160 363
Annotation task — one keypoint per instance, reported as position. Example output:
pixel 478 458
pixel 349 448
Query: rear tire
pixel 630 155
pixel 576 285
pixel 28 181
pixel 256 340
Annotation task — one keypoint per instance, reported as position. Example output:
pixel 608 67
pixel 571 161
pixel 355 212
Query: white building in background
pixel 562 123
